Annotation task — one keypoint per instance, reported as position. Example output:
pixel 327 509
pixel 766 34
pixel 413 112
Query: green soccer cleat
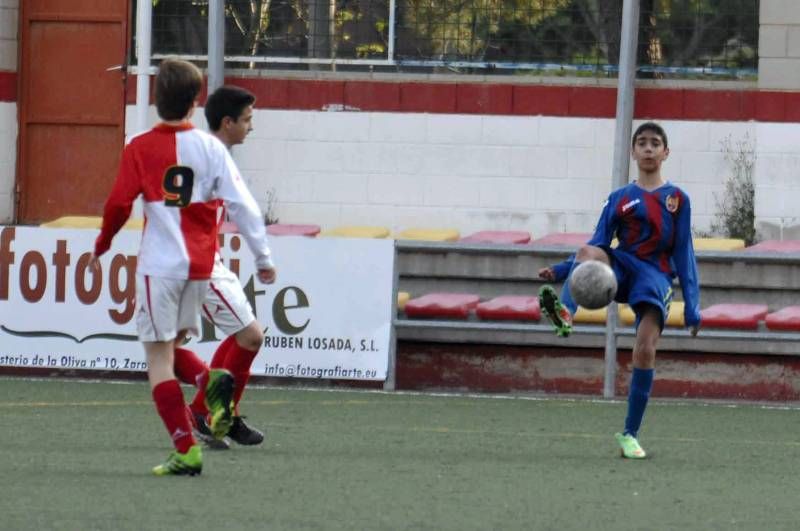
pixel 629 446
pixel 178 464
pixel 554 311
pixel 219 392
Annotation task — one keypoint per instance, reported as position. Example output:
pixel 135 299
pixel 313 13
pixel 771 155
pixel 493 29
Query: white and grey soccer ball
pixel 593 284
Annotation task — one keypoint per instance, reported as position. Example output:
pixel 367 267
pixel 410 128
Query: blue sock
pixel 566 296
pixel 641 384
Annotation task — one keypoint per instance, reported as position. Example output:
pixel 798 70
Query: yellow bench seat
pixel 356 231
pixel 626 315
pixel 88 222
pixel 718 244
pixel 431 235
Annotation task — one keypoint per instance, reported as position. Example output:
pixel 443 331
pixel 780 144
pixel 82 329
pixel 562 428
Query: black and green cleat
pixel 243 434
pixel 554 311
pixel 219 392
pixel 202 433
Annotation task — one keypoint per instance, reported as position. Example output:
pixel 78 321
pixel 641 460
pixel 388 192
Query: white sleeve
pixel 243 210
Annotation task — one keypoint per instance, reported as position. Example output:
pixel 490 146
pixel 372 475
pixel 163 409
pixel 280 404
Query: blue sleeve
pixel 603 234
pixel 686 264
pixel 606 225
pixel 562 269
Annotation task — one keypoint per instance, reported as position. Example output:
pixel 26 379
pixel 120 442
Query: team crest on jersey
pixel 672 202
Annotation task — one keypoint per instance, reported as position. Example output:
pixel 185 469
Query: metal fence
pixel 677 37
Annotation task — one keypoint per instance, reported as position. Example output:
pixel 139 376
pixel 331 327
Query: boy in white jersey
pixel 182 174
pixel 229 112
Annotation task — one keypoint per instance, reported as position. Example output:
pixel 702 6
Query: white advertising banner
pixel 328 315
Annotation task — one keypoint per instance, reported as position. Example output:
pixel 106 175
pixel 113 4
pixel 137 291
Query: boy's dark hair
pixel 653 128
pixel 227 101
pixel 178 84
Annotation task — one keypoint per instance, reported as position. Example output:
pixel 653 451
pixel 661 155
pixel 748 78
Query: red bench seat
pixel 733 315
pixel 498 236
pixel 510 308
pixel 775 246
pixel 563 239
pixel 449 305
pixel 276 229
pixel 784 319
pixel 289 229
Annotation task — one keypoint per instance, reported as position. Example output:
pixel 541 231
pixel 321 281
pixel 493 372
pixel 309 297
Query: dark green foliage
pixel 705 34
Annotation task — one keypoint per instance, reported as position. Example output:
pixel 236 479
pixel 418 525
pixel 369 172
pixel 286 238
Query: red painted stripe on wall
pixel 548 101
pixel 428 97
pixel 8 86
pixel 479 98
pixel 592 102
pixel 372 96
pixel 510 99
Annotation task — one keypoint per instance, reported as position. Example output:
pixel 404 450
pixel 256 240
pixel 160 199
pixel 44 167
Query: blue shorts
pixel 640 283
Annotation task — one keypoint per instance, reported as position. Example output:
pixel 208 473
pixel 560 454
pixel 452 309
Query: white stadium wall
pixel 777 180
pixel 540 174
pixel 8 108
pixel 8 159
pixel 484 172
pixel 482 152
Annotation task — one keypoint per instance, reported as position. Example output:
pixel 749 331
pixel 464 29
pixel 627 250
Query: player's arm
pixel 686 264
pixel 126 189
pixel 606 225
pixel 557 272
pixel 244 211
pixel 603 233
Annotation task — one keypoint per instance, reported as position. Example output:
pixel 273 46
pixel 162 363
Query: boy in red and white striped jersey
pixel 183 175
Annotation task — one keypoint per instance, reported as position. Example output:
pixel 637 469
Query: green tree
pixel 467 29
pixel 704 33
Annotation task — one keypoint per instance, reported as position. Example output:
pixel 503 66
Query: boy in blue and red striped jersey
pixel 183 175
pixel 651 219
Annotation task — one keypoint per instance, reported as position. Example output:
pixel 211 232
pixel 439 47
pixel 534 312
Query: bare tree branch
pixel 698 32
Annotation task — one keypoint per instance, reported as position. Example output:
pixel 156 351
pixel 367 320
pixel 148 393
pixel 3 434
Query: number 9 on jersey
pixel 178 183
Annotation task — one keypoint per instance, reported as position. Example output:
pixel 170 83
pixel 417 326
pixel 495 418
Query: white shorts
pixel 165 306
pixel 225 305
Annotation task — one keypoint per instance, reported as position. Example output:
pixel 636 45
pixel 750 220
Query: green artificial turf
pixel 77 455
